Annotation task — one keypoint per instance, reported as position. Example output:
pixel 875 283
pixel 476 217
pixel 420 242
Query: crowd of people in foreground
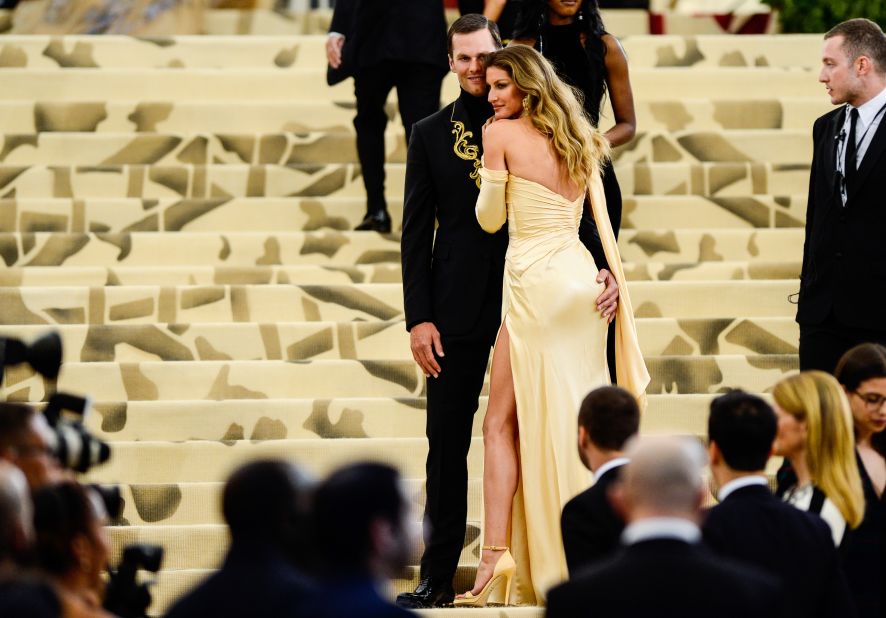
pixel 638 542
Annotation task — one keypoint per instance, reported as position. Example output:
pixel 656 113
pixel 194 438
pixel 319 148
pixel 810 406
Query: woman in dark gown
pixel 571 35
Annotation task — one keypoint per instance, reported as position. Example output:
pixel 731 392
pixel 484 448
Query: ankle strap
pixel 495 547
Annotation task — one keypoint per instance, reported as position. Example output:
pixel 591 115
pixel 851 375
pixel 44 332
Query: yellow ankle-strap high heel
pixel 502 574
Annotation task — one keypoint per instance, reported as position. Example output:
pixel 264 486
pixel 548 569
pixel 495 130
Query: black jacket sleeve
pixel 417 239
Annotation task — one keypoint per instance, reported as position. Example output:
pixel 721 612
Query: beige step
pixel 308 51
pixel 292 214
pixel 357 302
pixel 191 504
pixel 236 117
pixel 45 276
pixel 163 462
pixel 333 248
pixel 376 340
pixel 220 380
pixel 779 147
pixel 310 84
pixel 330 419
pixel 344 180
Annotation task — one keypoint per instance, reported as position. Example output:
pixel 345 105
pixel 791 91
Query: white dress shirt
pixel 870 115
pixel 609 465
pixel 661 528
pixel 744 481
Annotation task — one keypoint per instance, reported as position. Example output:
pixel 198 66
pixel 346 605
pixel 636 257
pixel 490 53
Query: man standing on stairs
pixel 452 288
pixel 383 45
pixel 843 279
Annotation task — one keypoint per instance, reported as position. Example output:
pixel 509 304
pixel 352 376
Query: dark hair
pixel 345 506
pixel 266 501
pixel 862 37
pixel 863 362
pixel 473 22
pixel 611 416
pixel 62 512
pixel 743 426
pixel 532 16
pixel 15 420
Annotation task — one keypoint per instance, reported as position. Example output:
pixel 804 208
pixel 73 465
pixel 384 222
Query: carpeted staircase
pixel 179 210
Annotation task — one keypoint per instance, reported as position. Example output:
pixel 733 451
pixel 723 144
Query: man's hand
pixel 334 43
pixel 607 302
pixel 424 339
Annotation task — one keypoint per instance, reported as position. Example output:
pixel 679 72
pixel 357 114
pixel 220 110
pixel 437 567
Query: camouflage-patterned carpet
pixel 180 210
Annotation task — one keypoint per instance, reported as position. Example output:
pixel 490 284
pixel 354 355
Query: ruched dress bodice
pixel 558 354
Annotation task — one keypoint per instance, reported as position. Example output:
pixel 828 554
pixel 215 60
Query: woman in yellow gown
pixel 541 158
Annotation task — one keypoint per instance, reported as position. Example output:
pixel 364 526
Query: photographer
pixel 25 439
pixel 21 594
pixel 72 546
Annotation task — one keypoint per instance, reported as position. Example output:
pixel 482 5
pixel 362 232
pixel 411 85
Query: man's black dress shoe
pixel 429 593
pixel 379 221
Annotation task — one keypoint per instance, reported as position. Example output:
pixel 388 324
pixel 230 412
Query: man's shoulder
pixel 435 121
pixel 827 118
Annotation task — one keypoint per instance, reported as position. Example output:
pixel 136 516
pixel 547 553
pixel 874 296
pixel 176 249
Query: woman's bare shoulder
pixel 613 45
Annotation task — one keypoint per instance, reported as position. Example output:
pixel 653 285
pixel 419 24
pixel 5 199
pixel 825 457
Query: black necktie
pixel 849 163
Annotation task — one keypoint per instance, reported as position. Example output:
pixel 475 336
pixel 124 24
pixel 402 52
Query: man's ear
pixel 583 437
pixel 619 499
pixel 714 454
pixel 451 64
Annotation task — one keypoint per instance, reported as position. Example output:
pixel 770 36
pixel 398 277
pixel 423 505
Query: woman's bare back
pixel 530 155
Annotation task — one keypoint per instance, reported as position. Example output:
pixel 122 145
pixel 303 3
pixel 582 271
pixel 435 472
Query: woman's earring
pixel 526 104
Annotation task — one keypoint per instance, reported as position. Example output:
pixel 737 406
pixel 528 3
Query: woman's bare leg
pixel 500 471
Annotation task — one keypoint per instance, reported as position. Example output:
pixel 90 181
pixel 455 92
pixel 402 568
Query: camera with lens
pixel 125 596
pixel 73 445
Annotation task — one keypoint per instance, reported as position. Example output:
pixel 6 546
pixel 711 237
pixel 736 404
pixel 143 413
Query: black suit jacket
pixel 380 30
pixel 254 581
pixel 665 578
pixel 754 526
pixel 448 280
pixel 591 528
pixel 844 264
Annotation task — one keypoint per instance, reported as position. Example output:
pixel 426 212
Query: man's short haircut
pixel 472 22
pixel 263 501
pixel 346 505
pixel 743 426
pixel 15 423
pixel 611 416
pixel 862 37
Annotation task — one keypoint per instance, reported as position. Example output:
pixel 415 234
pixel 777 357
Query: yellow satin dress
pixel 558 355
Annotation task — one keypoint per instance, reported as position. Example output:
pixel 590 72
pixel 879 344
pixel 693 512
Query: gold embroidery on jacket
pixel 463 149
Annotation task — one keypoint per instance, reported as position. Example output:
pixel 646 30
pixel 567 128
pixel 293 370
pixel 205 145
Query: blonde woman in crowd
pixel 815 435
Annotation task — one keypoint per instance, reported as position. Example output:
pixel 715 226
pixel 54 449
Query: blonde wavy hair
pixel 555 110
pixel 818 399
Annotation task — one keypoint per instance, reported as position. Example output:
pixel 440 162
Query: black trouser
pixel 452 402
pixel 418 94
pixel 822 345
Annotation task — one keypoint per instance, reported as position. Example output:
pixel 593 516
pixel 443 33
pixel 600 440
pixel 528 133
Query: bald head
pixel 16 527
pixel 663 478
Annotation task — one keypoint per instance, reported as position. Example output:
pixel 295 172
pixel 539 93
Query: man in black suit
pixel 384 45
pixel 452 285
pixel 752 525
pixel 843 278
pixel 264 504
pixel 663 569
pixel 608 418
